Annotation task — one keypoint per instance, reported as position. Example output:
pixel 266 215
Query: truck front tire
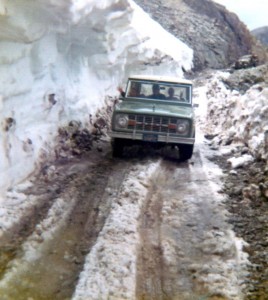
pixel 118 147
pixel 185 151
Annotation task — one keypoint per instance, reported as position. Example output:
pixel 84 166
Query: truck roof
pixel 161 78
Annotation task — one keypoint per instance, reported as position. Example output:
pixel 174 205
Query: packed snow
pixel 110 268
pixel 238 118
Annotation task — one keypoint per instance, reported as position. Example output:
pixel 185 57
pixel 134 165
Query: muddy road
pixel 95 227
pixel 187 249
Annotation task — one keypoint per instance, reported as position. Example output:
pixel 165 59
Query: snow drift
pixel 238 119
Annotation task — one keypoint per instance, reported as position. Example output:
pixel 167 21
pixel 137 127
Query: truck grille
pixel 144 123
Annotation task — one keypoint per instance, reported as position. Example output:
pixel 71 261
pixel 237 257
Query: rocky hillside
pixel 261 34
pixel 216 35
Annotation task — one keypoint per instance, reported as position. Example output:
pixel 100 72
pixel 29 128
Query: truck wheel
pixel 186 151
pixel 118 147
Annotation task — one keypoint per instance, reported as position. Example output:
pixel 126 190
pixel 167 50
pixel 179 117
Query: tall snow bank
pixel 239 118
pixel 59 59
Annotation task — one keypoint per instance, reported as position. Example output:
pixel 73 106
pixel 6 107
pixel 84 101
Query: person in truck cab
pixel 156 92
pixel 171 94
pixel 135 90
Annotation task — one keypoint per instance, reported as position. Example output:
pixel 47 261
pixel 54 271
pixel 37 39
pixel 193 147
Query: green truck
pixel 157 110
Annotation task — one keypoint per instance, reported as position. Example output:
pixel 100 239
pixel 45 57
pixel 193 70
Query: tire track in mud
pixel 45 194
pixel 187 250
pixel 150 260
pixel 47 262
pixel 110 267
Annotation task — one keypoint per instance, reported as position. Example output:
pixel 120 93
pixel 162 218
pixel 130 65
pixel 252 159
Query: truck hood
pixel 155 109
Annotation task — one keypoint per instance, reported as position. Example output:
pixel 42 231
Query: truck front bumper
pixel 168 139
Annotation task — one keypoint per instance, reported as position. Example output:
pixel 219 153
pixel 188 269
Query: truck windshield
pixel 159 91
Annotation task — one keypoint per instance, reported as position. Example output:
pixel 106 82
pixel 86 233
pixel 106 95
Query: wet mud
pixel 54 272
pixel 183 238
pixel 186 249
pixel 249 218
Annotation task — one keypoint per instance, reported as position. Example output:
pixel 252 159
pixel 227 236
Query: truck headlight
pixel 121 121
pixel 183 127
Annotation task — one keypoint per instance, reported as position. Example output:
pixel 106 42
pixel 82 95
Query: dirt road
pixel 134 228
pixel 187 250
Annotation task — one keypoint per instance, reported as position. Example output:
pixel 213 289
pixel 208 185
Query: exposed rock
pixel 73 140
pixel 246 61
pixel 242 80
pixel 249 215
pixel 261 34
pixel 216 35
pixel 8 123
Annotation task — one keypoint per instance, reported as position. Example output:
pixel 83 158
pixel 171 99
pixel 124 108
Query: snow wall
pixel 59 59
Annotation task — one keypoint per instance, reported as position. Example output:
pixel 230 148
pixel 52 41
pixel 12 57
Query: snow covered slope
pixel 59 59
